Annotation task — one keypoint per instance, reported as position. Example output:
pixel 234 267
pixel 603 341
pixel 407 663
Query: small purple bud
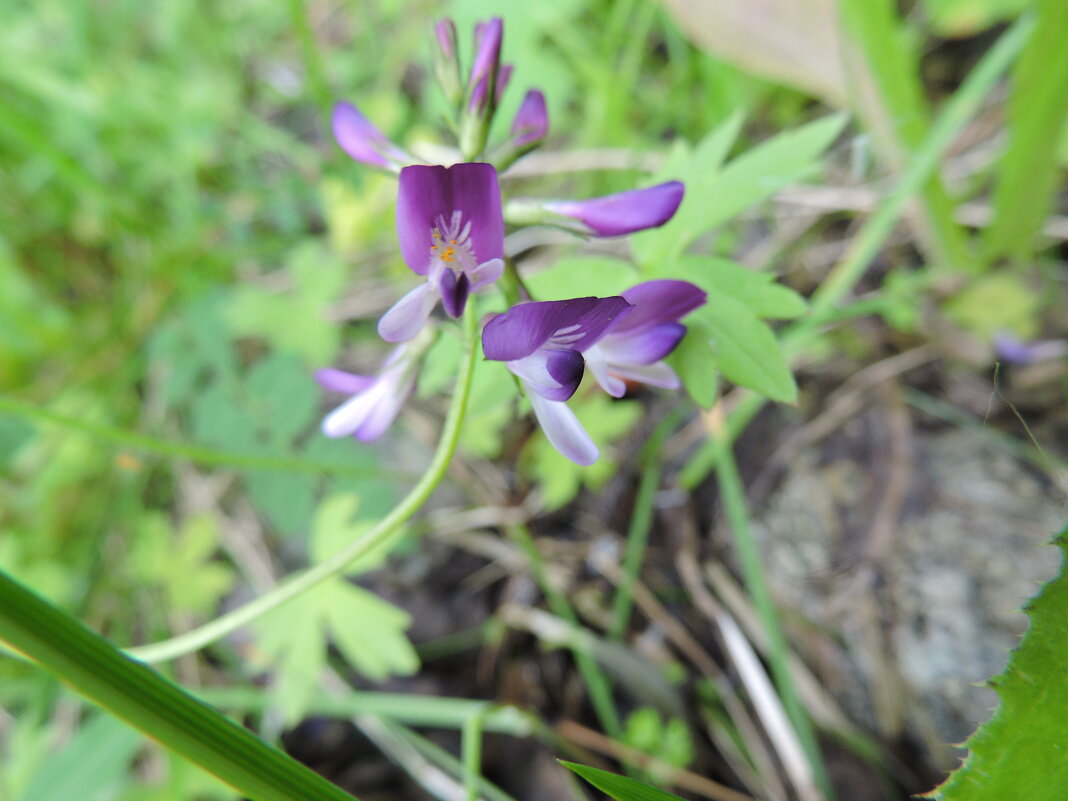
pixel 445 31
pixel 504 75
pixel 531 123
pixel 488 37
pixel 625 212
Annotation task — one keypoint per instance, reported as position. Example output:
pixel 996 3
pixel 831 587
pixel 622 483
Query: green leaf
pixel 285 396
pixel 1020 751
pixel 219 420
pixel 129 689
pixel 1027 175
pixel 91 767
pixel 368 631
pixel 287 499
pixel 621 788
pixel 582 276
pixel 295 320
pixel 695 363
pixel 746 350
pixel 996 302
pixel 713 198
pixel 757 290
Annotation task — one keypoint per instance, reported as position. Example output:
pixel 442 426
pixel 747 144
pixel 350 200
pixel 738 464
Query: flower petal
pixel 642 347
pixel 486 273
pixel 343 382
pixel 408 315
pixel 598 364
pixel 563 430
pixel 524 328
pixel 426 192
pixel 658 374
pixel 382 414
pixel 553 374
pixel 625 212
pixel 357 136
pixel 657 302
pixel 454 291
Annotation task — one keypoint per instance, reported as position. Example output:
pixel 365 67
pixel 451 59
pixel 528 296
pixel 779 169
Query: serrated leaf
pixel 695 363
pixel 1020 751
pixel 370 633
pixel 336 527
pixel 621 788
pixel 746 350
pixel 757 290
pixel 750 178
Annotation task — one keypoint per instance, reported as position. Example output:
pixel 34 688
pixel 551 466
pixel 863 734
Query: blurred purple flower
pixel 634 348
pixel 531 123
pixel 358 137
pixel 542 344
pixel 486 64
pixel 451 230
pixel 1017 351
pixel 625 212
pixel 376 400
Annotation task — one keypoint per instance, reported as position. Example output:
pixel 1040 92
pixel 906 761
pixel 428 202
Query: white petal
pixel 563 430
pixel 407 316
pixel 657 374
pixel 486 273
pixel 598 364
pixel 353 413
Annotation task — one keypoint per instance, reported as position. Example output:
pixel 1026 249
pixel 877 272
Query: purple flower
pixel 445 31
pixel 542 344
pixel 358 137
pixel 376 400
pixel 451 229
pixel 633 349
pixel 625 212
pixel 531 123
pixel 1018 351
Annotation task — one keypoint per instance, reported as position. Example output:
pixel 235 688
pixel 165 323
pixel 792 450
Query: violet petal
pixel 487 48
pixel 357 136
pixel 486 273
pixel 642 347
pixel 657 374
pixel 659 301
pixel 553 374
pixel 454 291
pixel 625 212
pixel 341 381
pixel 564 431
pixel 427 193
pixel 574 324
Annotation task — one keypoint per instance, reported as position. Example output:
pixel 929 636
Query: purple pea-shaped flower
pixel 451 230
pixel 542 344
pixel 634 348
pixel 376 400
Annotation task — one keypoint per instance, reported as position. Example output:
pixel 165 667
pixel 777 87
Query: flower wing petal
pixel 406 317
pixel 643 347
pixel 477 195
pixel 341 381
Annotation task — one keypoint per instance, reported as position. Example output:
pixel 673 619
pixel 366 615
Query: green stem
pixel 335 565
pixel 732 492
pixel 134 692
pixel 194 453
pixel 471 750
